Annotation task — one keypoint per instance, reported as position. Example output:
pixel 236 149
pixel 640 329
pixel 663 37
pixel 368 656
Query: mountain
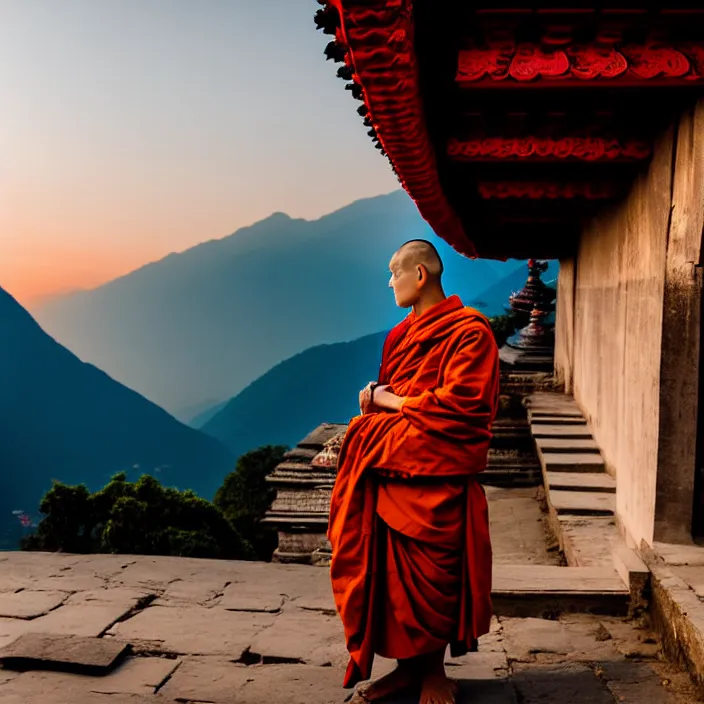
pixel 321 384
pixel 199 420
pixel 205 323
pixel 61 418
pixel 494 299
pixel 316 386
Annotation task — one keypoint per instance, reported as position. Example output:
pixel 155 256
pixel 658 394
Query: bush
pixel 245 497
pixel 140 517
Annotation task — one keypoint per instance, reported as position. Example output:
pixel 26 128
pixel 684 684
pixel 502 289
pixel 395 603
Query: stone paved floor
pixel 250 633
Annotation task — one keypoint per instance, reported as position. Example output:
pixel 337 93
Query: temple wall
pixel 628 335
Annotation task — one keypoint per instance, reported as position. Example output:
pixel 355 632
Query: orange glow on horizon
pixel 47 277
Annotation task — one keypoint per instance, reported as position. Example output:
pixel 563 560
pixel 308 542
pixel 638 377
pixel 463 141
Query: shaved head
pixel 416 252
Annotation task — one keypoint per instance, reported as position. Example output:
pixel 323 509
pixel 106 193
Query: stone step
pixel 543 591
pixel 582 503
pixel 560 431
pixel 581 481
pixel 556 420
pixel 571 462
pixel 635 574
pixel 564 412
pixel 566 444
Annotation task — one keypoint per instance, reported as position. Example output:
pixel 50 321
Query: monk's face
pixel 404 281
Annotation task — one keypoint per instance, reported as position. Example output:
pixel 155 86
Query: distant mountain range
pixel 61 418
pixel 316 386
pixel 194 329
pixel 494 300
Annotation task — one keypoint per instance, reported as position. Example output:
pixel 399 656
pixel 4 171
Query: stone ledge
pixel 677 615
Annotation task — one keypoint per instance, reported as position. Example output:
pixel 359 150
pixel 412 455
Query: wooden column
pixel 679 371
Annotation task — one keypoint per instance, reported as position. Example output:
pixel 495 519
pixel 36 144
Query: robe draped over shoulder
pixel 409 529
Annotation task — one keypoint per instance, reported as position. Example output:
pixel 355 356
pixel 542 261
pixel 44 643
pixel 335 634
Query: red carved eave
pixel 527 64
pixel 379 37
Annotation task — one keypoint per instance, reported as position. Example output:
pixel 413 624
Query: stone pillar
pixel 681 330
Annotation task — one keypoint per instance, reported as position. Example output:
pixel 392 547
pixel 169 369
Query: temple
pixel 569 131
pixel 574 133
pixel 303 483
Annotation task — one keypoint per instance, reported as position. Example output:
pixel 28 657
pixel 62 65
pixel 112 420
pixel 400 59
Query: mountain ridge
pixel 66 419
pixel 221 314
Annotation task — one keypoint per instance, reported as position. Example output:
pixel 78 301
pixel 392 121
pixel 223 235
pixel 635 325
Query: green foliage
pixel 140 517
pixel 503 326
pixel 245 496
pixel 146 518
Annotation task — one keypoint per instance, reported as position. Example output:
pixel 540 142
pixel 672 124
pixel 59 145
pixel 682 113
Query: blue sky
pixel 133 128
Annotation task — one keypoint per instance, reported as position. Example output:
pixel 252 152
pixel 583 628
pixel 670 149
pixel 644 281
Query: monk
pixel 411 565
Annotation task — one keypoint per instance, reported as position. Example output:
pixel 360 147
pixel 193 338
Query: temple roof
pixel 511 125
pixel 299 466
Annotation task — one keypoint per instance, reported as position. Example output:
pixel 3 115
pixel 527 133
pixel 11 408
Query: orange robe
pixel 411 566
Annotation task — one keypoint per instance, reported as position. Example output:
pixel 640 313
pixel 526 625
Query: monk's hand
pixel 383 398
pixel 365 398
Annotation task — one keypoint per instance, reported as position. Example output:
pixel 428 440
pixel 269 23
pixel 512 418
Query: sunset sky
pixel 134 128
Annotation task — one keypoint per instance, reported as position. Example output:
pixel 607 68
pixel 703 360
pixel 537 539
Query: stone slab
pixel 192 630
pixel 631 641
pixel 633 571
pixel 551 397
pixel 518 527
pixel 541 419
pixel 571 682
pixel 545 430
pixel 203 591
pixel 135 678
pixel 122 596
pixel 517 579
pixel 89 620
pixel 318 598
pixel 11 629
pixel 29 604
pixel 567 445
pixel 298 636
pixel 583 503
pixel 34 650
pixel 693 575
pixel 535 639
pixel 218 681
pixel 548 411
pixel 581 481
pixel 137 675
pixel 247 596
pixel 587 541
pixel 571 462
pixel 680 554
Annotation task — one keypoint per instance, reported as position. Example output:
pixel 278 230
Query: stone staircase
pixel 574 472
pixel 581 495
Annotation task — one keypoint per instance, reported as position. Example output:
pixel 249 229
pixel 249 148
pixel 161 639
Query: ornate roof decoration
pixel 509 125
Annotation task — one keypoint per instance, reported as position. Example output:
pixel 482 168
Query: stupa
pixel 532 347
pixel 303 482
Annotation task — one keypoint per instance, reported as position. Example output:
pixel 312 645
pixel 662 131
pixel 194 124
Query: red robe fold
pixel 411 567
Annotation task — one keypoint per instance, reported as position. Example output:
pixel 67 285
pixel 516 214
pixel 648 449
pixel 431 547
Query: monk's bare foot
pixel 399 680
pixel 438 688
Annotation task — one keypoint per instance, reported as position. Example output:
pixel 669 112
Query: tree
pixel 140 517
pixel 245 497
